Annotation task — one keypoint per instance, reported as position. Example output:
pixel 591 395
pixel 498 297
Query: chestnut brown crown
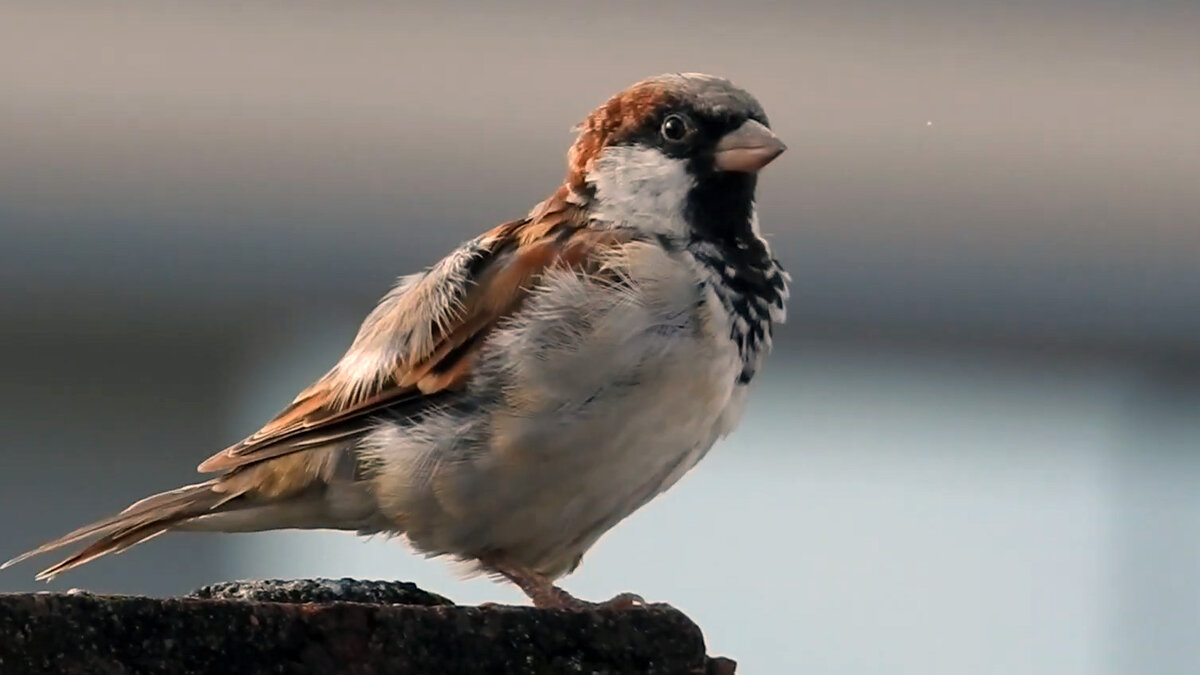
pixel 689 115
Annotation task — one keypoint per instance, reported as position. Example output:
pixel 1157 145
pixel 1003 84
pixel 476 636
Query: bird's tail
pixel 313 489
pixel 143 520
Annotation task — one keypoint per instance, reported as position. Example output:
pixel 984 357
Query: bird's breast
pixel 594 399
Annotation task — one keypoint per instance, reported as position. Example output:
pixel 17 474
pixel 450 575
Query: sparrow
pixel 513 402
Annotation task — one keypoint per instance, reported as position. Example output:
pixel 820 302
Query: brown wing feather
pixel 517 254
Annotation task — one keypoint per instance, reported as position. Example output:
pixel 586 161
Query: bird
pixel 510 404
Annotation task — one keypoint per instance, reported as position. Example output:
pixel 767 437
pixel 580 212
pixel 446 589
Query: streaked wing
pixel 420 341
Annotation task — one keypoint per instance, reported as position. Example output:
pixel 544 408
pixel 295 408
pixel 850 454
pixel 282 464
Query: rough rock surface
pixel 322 590
pixel 331 626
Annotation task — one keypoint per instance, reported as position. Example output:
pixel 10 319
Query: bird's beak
pixel 748 148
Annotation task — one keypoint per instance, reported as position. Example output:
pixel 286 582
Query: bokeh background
pixel 976 450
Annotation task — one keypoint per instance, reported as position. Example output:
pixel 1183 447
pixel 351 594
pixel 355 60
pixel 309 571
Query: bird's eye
pixel 674 128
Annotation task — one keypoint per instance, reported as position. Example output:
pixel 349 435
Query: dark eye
pixel 674 128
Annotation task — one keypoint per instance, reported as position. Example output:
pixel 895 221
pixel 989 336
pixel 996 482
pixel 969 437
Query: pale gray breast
pixel 598 395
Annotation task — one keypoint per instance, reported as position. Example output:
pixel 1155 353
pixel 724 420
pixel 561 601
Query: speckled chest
pixel 750 288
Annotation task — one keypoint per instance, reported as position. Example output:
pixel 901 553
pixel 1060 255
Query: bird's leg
pixel 546 595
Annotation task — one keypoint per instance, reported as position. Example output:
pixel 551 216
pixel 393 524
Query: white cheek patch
pixel 641 187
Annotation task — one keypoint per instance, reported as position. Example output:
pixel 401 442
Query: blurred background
pixel 976 449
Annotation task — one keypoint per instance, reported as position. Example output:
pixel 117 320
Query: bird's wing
pixel 421 339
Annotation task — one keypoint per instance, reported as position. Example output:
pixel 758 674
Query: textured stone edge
pixel 84 633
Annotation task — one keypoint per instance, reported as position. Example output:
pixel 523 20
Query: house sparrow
pixel 515 401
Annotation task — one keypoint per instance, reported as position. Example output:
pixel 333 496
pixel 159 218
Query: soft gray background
pixel 976 450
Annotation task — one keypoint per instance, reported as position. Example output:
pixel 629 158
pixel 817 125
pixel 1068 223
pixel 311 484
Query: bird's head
pixel 677 154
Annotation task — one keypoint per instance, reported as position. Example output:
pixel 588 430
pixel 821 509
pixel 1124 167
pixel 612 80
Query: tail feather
pixel 310 489
pixel 113 543
pixel 142 520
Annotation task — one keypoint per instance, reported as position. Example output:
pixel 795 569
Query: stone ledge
pixel 325 627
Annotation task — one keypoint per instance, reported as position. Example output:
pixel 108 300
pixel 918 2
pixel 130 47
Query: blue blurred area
pixel 976 450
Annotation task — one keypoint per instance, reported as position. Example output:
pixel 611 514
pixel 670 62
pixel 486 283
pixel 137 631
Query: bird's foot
pixel 545 595
pixel 564 600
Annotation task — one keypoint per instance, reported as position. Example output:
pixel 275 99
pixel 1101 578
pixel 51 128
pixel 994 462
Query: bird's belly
pixel 549 485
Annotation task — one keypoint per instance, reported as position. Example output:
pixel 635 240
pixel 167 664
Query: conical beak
pixel 748 148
